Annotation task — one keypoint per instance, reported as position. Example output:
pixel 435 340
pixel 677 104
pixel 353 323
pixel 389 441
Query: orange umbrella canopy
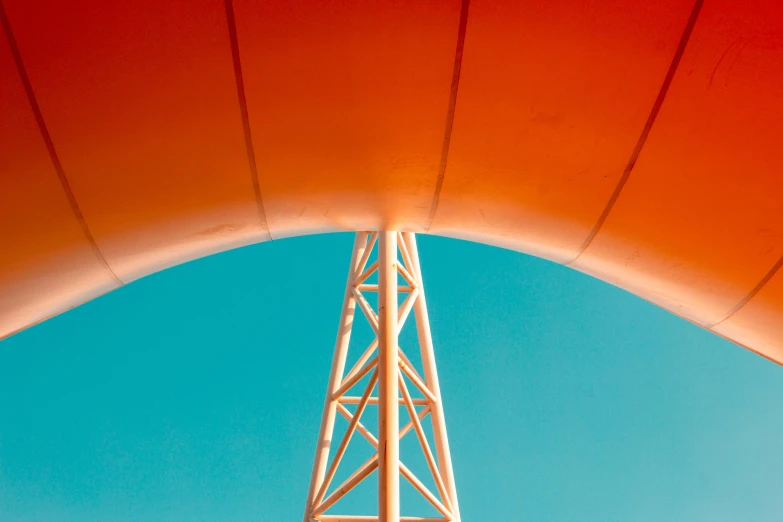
pixel 636 141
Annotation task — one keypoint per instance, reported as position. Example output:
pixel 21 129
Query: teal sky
pixel 195 394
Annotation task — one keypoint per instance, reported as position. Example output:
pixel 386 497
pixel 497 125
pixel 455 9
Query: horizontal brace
pixel 374 288
pixel 362 518
pixel 374 400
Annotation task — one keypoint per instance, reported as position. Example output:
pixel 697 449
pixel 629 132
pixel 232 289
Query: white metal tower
pixel 395 377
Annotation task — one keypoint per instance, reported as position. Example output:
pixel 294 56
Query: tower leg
pixel 336 374
pixel 431 376
pixel 388 387
pixel 395 377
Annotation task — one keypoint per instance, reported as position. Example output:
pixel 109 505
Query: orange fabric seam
pixel 444 153
pixel 756 289
pixel 28 87
pixel 686 35
pixel 251 155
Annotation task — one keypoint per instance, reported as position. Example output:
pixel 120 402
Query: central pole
pixel 388 386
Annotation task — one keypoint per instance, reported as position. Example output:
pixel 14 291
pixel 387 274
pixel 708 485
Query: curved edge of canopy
pixel 740 332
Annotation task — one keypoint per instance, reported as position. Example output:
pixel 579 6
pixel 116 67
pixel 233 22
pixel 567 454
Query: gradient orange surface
pixel 699 221
pixel 635 141
pixel 347 104
pixel 141 103
pixel 552 99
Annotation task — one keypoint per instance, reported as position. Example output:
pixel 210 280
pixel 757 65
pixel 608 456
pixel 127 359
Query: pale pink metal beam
pixel 388 389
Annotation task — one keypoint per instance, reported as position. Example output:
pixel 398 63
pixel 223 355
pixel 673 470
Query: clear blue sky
pixel 195 394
